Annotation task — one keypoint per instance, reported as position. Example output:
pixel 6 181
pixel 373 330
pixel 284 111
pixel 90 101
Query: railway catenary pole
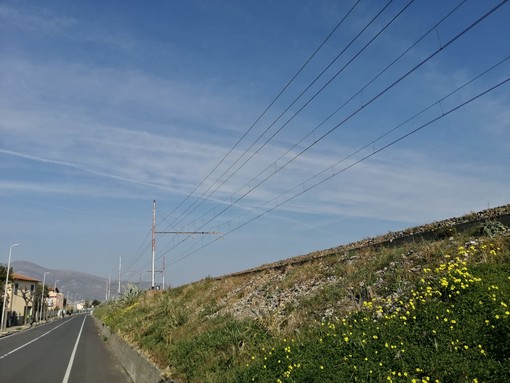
pixel 153 242
pixel 120 267
pixel 154 232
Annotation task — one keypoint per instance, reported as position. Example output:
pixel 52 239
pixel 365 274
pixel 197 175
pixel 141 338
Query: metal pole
pixel 153 242
pixel 164 273
pixel 154 232
pixel 42 296
pixel 2 322
pixel 63 296
pixel 120 266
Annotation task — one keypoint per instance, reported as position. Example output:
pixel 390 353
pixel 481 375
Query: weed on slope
pixel 429 311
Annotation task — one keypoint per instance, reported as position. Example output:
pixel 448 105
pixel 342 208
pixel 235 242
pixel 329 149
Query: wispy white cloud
pixel 399 185
pixel 38 19
pixel 63 189
pixel 141 100
pixel 123 132
pixel 156 153
pixel 97 108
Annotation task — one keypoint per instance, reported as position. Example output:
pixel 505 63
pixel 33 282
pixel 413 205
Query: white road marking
pixel 33 340
pixel 70 365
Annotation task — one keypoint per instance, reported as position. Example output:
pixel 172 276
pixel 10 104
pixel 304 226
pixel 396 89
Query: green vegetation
pixel 455 326
pixel 434 311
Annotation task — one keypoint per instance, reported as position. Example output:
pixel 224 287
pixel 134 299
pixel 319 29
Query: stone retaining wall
pixel 138 367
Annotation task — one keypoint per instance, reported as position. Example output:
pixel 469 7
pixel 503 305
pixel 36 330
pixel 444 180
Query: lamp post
pixel 55 285
pixel 2 322
pixel 42 296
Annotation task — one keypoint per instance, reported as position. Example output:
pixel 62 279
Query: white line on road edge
pixel 33 340
pixel 70 365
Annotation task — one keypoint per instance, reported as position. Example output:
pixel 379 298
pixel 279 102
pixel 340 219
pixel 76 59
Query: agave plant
pixel 131 292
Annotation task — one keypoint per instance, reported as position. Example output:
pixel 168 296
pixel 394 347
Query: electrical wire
pixel 200 200
pixel 273 164
pixel 371 143
pixel 375 151
pixel 442 115
pixel 394 83
pixel 268 107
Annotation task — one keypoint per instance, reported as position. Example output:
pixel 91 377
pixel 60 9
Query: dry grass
pixel 201 330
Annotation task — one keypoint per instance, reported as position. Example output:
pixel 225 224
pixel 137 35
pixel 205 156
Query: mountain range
pixel 76 285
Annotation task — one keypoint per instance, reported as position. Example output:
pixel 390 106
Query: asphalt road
pixel 69 350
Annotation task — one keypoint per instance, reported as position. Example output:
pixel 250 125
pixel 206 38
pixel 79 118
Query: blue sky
pixel 107 106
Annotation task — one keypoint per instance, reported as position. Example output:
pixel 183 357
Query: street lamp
pixel 55 285
pixel 2 322
pixel 42 295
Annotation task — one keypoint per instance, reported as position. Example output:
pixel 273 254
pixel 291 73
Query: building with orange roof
pixel 55 300
pixel 21 296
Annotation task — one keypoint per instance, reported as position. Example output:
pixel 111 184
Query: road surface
pixel 68 350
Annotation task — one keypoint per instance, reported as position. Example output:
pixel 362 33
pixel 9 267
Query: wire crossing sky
pixel 287 126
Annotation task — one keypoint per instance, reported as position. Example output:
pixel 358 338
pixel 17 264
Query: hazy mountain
pixel 74 284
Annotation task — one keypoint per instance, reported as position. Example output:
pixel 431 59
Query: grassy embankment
pixel 435 311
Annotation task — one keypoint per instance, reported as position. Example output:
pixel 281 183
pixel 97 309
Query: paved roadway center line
pixel 33 340
pixel 70 365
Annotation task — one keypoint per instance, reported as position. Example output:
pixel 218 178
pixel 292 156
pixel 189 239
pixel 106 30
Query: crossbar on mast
pixel 154 232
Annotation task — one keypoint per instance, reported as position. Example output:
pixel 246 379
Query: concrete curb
pixel 17 329
pixel 14 330
pixel 138 367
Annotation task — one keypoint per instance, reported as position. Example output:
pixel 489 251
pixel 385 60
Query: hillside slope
pixel 80 285
pixel 433 309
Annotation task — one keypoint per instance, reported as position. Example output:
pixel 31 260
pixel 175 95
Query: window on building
pixel 16 286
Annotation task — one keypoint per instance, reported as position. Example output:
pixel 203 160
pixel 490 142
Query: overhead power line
pixel 371 143
pixel 268 107
pixel 442 115
pixel 443 47
pixel 200 200
pixel 394 83
pixel 273 164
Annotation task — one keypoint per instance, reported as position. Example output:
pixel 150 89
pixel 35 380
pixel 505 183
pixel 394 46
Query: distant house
pixel 21 291
pixel 55 299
